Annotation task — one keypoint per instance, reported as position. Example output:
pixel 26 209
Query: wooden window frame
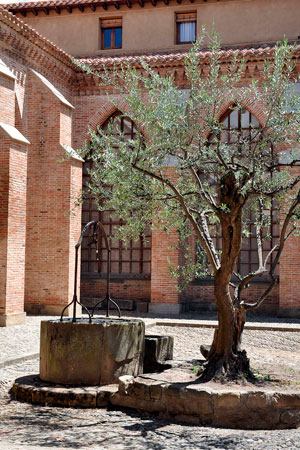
pixel 185 16
pixel 111 23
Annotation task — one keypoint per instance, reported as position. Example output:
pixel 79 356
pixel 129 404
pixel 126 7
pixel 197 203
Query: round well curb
pixel 183 402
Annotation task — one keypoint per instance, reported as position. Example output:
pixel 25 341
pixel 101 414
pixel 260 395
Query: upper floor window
pixel 111 33
pixel 186 27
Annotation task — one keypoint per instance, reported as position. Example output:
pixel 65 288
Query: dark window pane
pixel 107 38
pixel 118 37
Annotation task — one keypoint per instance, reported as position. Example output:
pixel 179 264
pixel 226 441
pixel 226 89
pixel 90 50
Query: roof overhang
pixel 44 6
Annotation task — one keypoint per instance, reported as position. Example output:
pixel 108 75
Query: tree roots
pixel 224 368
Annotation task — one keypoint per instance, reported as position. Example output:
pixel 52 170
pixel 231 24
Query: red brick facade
pixel 37 192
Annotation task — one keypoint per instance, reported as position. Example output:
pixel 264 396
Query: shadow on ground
pixel 39 426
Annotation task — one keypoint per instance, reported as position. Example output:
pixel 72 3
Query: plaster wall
pixel 153 28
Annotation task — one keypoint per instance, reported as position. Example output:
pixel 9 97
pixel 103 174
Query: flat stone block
pixel 254 400
pixel 142 307
pixel 50 310
pixel 155 391
pixel 7 320
pixel 158 349
pixel 165 308
pixel 96 353
pixel 227 400
pixel 283 400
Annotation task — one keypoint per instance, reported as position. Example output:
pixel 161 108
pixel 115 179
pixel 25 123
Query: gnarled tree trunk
pixel 225 357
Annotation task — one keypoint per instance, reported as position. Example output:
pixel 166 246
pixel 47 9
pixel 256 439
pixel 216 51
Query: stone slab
pixel 165 308
pixel 158 350
pixel 7 320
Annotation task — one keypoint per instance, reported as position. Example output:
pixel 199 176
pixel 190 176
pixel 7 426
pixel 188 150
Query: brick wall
pixel 52 231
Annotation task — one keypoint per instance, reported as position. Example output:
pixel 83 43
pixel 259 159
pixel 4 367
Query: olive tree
pixel 181 171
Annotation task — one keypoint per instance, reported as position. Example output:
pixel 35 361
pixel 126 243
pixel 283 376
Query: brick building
pixel 47 105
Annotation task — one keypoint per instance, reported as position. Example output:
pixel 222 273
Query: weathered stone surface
pixel 158 350
pixel 193 403
pixel 91 354
pixel 283 400
pixel 254 400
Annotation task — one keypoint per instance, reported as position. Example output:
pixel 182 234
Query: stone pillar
pixel 53 222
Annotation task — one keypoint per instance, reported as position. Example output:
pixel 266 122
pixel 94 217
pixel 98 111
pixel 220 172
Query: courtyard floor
pixel 25 426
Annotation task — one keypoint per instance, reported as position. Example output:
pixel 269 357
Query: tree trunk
pixel 225 359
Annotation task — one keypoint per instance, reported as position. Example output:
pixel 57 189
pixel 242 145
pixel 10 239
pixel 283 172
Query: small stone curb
pixel 12 362
pixel 214 324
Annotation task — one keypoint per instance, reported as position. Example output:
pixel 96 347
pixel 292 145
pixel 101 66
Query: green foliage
pixel 170 175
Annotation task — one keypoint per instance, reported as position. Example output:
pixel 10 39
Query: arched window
pixel 134 261
pixel 243 123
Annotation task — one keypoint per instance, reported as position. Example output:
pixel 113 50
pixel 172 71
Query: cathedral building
pixel 47 107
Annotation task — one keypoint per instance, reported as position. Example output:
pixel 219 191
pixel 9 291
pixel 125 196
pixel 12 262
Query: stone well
pixel 96 353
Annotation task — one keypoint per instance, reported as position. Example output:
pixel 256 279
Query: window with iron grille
pixel 131 261
pixel 237 123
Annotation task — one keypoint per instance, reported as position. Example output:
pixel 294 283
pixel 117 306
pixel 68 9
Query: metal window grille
pixel 242 122
pixel 133 261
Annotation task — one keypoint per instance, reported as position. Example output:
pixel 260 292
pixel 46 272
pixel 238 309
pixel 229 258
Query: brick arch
pixel 100 116
pixel 255 108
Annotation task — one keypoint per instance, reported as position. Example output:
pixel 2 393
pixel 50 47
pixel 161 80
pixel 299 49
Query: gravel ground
pixel 25 426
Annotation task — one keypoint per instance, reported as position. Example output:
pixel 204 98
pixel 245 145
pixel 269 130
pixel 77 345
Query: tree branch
pixel 200 233
pixel 282 240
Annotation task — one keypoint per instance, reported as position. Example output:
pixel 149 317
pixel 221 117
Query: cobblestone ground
pixel 25 426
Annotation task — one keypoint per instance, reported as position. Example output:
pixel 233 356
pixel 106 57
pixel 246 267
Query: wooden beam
pixel 93 7
pixel 46 11
pixel 23 13
pixel 166 2
pixel 128 3
pixel 69 9
pixel 57 9
pixel 178 1
pixel 81 8
pixel 117 5
pixel 141 3
pixel 153 2
pixel 34 11
pixel 104 6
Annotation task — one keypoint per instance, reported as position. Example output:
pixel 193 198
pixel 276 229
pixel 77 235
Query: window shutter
pixel 186 17
pixel 111 23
